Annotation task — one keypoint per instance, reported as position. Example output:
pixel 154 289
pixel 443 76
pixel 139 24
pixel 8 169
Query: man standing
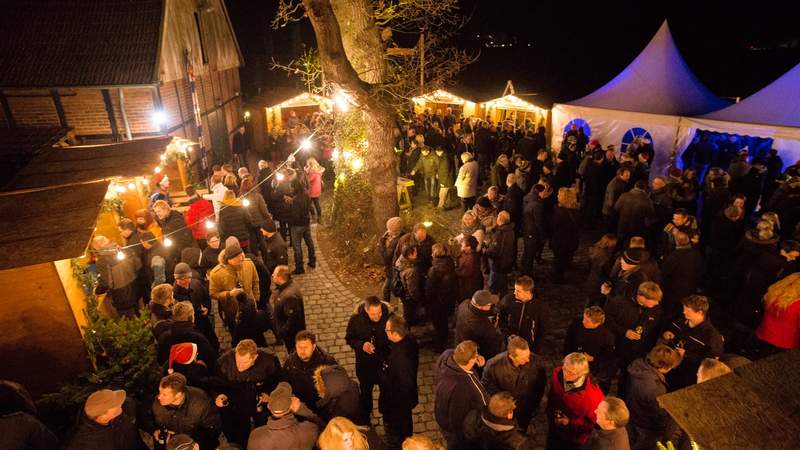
pixel 117 277
pixel 289 311
pixel 299 220
pixel 520 315
pixel 246 374
pixel 649 422
pixel 240 146
pixel 501 252
pixel 634 210
pixel 514 371
pixel 173 225
pixel 387 246
pixel 590 336
pixel 274 251
pixel 200 210
pixel 612 417
pixel 182 409
pixel 235 273
pixel 614 190
pixel 494 427
pixel 192 290
pixel 458 391
pixel 399 393
pixel 108 422
pixel 408 275
pixel 475 322
pixel 283 430
pixel 300 365
pixel 366 335
pixel 571 404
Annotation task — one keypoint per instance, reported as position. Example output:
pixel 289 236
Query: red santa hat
pixel 594 142
pixel 157 178
pixel 183 353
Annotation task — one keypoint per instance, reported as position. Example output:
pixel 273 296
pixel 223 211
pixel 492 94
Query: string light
pixel 132 186
pixel 167 242
pixel 163 157
pixel 157 169
pixel 427 224
pixel 246 115
pixel 335 154
pixel 120 255
pixel 119 188
pixel 246 203
pixel 159 117
pixel 357 164
pixel 347 154
pixel 280 176
pixel 306 145
pixel 210 225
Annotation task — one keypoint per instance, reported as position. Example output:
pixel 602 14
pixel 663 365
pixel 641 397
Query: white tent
pixel 773 112
pixel 646 99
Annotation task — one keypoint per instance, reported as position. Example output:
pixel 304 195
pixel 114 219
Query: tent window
pixel 578 123
pixel 200 36
pixel 632 135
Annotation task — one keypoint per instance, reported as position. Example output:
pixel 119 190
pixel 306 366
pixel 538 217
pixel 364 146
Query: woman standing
pixel 314 174
pixel 467 181
pixel 564 240
pixel 470 226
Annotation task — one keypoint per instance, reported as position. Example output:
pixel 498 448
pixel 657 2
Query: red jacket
pixel 578 406
pixel 200 209
pixel 781 327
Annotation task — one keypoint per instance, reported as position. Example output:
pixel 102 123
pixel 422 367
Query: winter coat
pixel 258 209
pixel 196 416
pixel 578 405
pixel 427 164
pixel 534 222
pixel 489 432
pixel 224 277
pixel 614 190
pixel 501 249
pixel 410 278
pixel 200 209
pixel 315 183
pixel 668 243
pixel 179 332
pixel 251 323
pixel 528 320
pixel 566 225
pixel 623 314
pixel 512 203
pixel 299 210
pixel 702 341
pixel 398 379
pixel 470 277
pixel 498 177
pixel 526 383
pixel 596 342
pixel 781 327
pixel 457 393
pixel 635 209
pixel 286 432
pixel 118 277
pixel 209 259
pixel 288 310
pixel 467 180
pixel 361 329
pixel 235 220
pixel 340 397
pixel 444 171
pixel 20 430
pixel 300 374
pixel 387 245
pixel 439 284
pixel 174 225
pixel 424 250
pixel 121 434
pixel 682 273
pixel 243 388
pixel 625 284
pixel 476 325
pixel 274 252
pixel 644 386
pixel 616 439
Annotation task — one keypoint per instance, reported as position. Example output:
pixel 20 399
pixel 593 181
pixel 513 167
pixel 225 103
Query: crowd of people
pixel 674 249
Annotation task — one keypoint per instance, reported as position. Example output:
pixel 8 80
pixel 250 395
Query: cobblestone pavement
pixel 329 304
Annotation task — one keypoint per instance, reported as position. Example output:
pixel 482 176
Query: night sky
pixel 564 50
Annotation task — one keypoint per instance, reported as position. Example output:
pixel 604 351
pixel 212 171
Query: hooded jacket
pixel 644 386
pixel 489 432
pixel 361 329
pixel 457 393
pixel 339 396
pixel 476 325
pixel 300 374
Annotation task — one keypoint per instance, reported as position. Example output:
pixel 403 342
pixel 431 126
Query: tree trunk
pixel 381 166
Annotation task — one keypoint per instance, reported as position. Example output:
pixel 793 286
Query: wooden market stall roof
pixel 18 146
pixel 442 96
pixel 756 406
pixel 83 163
pixel 287 97
pixel 49 224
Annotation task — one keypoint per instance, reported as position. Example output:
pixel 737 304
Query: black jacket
pixel 566 223
pixel 298 210
pixel 440 284
pixel 627 314
pixel 341 397
pixel 251 323
pixel 121 434
pixel 457 393
pixel 174 225
pixel 300 374
pixel 209 258
pixel 644 386
pixel 700 342
pixel 424 250
pixel 682 273
pixel 361 329
pixel 196 416
pixel 399 377
pixel 289 312
pixel 274 252
pixel 243 388
pixel 526 383
pixel 486 431
pixel 615 188
pixel 635 209
pixel 616 439
pixel 512 202
pixel 387 245
pixel 287 432
pixel 528 320
pixel 20 430
pixel 234 220
pixel 597 342
pixel 501 250
pixel 180 332
pixel 476 325
pixel 534 221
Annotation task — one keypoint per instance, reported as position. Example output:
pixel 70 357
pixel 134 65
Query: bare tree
pixel 355 43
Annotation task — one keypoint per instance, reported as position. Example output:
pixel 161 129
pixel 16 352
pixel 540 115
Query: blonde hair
pixel 650 291
pixel 319 383
pixel 334 435
pixel 712 368
pixel 160 204
pixel 313 164
pixel 616 411
pixel 161 293
pixel 420 442
pixel 578 362
pixel 784 293
pixel 568 198
pixel 764 230
pixel 247 347
pixel 501 404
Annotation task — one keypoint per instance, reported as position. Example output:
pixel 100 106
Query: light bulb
pixel 159 117
pixel 167 242
pixel 427 224
pixel 280 176
pixel 157 169
pixel 210 225
pixel 120 255
pixel 132 186
pixel 357 164
pixel 163 157
pixel 347 154
pixel 306 145
pixel 246 202
pixel 335 154
pixel 119 188
pixel 247 114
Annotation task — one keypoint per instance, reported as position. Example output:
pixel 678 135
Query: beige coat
pixel 223 278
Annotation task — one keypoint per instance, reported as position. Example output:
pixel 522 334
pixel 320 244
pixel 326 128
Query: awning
pixel 49 224
pixel 78 164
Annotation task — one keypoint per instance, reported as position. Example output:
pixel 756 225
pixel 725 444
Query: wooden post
pixel 181 163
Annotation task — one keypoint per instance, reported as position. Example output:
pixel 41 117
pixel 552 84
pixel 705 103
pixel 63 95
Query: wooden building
pixel 270 112
pixel 509 107
pixel 117 70
pixel 441 100
pixel 51 203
